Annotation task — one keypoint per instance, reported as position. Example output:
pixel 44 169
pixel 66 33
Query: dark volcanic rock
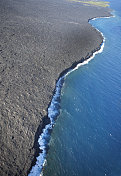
pixel 38 40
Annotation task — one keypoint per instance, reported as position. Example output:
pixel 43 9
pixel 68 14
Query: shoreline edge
pixel 54 108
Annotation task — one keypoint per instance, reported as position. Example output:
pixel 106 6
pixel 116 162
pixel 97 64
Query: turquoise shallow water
pixel 86 140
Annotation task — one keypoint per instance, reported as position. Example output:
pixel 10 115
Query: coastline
pixel 30 68
pixel 69 144
pixel 49 122
pixel 53 113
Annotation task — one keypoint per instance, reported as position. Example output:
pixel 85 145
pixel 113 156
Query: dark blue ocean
pixel 86 139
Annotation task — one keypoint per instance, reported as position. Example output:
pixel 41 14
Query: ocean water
pixel 86 138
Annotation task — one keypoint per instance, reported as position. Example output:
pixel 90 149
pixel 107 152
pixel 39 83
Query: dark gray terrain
pixel 39 39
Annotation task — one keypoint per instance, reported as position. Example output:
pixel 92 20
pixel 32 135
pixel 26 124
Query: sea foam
pixel 53 112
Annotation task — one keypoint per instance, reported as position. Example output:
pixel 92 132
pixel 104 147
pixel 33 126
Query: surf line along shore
pixel 54 109
pixel 53 112
pixel 36 46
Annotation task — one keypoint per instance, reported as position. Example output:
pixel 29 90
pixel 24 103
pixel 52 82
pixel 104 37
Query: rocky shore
pixel 39 39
